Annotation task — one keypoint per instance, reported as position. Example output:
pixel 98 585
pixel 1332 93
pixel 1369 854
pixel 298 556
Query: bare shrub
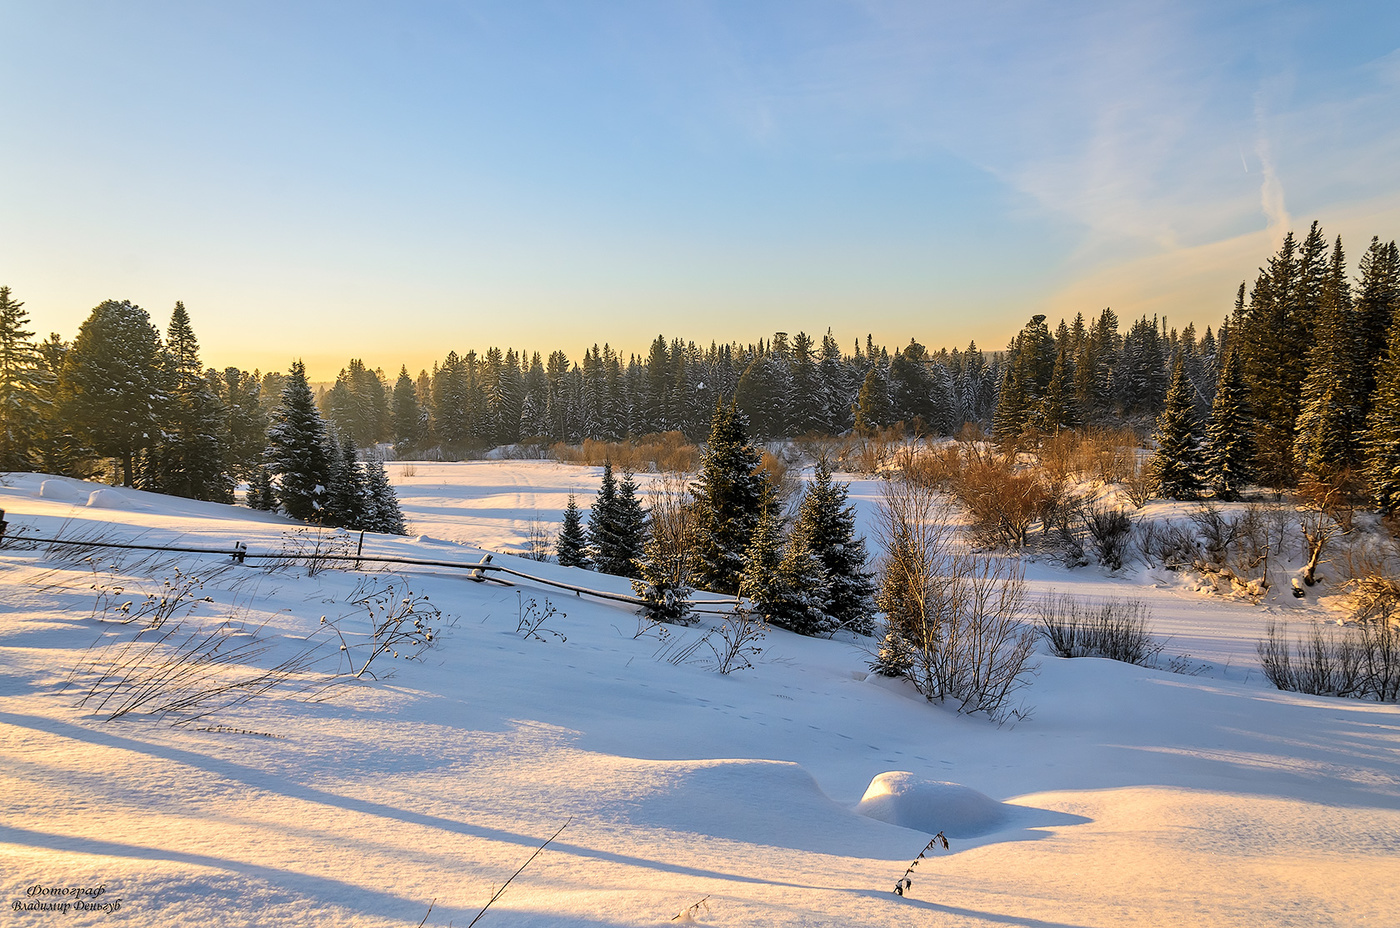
pixel 1168 545
pixel 1110 533
pixel 1325 661
pixel 539 540
pixel 1360 660
pixel 780 476
pixel 869 452
pixel 1137 481
pixel 937 467
pixel 1002 501
pixel 666 567
pixel 952 616
pixel 531 616
pixel 1374 598
pixel 311 548
pixel 1117 629
pixel 662 452
pixel 399 621
pixel 190 672
pixel 737 641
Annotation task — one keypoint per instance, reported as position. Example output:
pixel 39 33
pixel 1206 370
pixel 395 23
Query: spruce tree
pixel 296 449
pixel 1382 442
pixel 728 498
pixel 189 457
pixel 827 524
pixel 1228 453
pixel 762 584
pixel 602 522
pixel 23 409
pixel 572 544
pixel 873 407
pixel 260 493
pixel 346 496
pixel 1329 418
pixel 1176 464
pixel 115 385
pixel 383 513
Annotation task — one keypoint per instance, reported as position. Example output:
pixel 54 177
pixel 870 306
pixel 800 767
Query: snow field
pixel 1129 796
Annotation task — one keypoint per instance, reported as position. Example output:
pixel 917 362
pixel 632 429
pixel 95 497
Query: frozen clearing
pixel 1128 797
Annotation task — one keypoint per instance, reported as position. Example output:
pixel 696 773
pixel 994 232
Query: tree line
pixel 1300 382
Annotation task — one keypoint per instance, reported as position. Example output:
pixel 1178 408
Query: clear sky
pixel 393 180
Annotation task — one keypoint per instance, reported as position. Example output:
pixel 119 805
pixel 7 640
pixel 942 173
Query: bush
pixel 1110 531
pixel 663 452
pixel 1360 660
pixel 1114 628
pixel 952 616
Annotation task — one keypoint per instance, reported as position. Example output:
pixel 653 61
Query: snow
pixel 793 794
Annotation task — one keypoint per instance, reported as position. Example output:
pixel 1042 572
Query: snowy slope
pixel 1129 796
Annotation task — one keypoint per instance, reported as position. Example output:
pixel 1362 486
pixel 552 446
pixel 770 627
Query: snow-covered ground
pixel 1129 796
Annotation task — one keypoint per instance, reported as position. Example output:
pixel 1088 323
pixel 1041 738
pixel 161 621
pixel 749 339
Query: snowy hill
pixel 1129 796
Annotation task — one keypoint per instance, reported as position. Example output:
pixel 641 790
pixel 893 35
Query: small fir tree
pixel 1176 465
pixel 827 523
pixel 384 514
pixel 260 494
pixel 572 546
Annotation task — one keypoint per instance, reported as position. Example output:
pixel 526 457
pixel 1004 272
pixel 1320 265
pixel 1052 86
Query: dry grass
pixel 664 452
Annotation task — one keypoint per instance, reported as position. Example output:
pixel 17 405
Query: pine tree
pixel 296 449
pixel 826 523
pixel 728 501
pixel 762 584
pixel 383 513
pixel 346 494
pixel 189 456
pixel 1382 443
pixel 873 407
pixel 1228 454
pixel 407 415
pixel 617 526
pixel 260 493
pixel 23 409
pixel 1176 464
pixel 572 544
pixel 115 385
pixel 1329 419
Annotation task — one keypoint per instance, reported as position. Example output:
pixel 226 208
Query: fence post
pixel 480 575
pixel 359 548
pixel 3 523
pixel 239 549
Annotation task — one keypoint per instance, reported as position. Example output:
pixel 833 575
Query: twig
pixel 904 882
pixel 517 873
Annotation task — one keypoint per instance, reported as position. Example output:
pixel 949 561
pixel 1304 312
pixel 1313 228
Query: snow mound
pixel 901 798
pixel 107 498
pixel 60 490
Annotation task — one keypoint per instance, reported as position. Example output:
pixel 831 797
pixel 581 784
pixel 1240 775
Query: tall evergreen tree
pixel 23 409
pixel 728 501
pixel 1228 454
pixel 1329 419
pixel 873 407
pixel 297 454
pixel 115 385
pixel 1382 443
pixel 1176 464
pixel 188 458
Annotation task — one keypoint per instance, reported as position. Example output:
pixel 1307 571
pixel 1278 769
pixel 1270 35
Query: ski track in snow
pixel 1130 796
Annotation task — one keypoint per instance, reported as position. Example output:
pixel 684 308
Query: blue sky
pixel 389 181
